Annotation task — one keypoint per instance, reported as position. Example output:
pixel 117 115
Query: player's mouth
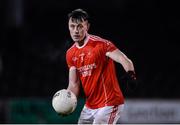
pixel 76 36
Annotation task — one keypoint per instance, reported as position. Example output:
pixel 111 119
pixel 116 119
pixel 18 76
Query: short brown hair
pixel 79 14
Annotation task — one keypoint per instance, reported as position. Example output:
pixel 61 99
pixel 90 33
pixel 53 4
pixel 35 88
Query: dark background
pixel 34 39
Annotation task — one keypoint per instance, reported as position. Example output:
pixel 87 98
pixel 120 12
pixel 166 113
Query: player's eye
pixel 72 26
pixel 80 27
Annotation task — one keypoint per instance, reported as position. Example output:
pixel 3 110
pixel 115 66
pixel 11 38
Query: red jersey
pixel 96 71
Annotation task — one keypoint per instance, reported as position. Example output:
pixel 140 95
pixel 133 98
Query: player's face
pixel 78 29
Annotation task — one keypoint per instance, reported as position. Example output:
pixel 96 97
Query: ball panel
pixel 64 101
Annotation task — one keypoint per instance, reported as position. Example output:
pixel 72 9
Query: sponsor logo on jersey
pixel 87 69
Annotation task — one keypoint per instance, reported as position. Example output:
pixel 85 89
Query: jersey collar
pixel 85 42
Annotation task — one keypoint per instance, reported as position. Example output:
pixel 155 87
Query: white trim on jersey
pixel 97 38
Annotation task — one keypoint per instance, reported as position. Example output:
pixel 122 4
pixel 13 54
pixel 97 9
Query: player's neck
pixel 82 43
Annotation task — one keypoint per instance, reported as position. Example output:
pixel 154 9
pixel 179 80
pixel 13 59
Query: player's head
pixel 78 24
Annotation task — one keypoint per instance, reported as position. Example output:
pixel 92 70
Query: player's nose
pixel 76 31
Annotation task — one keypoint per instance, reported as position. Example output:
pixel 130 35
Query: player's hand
pixel 130 79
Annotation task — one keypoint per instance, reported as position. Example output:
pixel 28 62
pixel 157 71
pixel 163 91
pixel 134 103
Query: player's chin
pixel 76 39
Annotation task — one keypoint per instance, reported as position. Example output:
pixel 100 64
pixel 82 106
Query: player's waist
pixel 103 105
pixel 104 101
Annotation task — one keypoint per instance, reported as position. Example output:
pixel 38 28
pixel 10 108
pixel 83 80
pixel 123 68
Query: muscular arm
pixel 121 58
pixel 74 83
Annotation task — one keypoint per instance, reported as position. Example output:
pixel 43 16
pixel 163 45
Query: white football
pixel 64 102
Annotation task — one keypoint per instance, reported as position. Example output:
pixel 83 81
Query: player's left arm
pixel 130 76
pixel 121 58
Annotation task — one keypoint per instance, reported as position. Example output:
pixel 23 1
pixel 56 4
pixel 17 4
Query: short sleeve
pixel 109 46
pixel 69 59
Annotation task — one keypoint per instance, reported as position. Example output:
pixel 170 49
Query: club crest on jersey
pixel 74 59
pixel 89 54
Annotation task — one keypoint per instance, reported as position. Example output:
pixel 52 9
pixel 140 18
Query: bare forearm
pixel 74 89
pixel 74 83
pixel 127 65
pixel 121 58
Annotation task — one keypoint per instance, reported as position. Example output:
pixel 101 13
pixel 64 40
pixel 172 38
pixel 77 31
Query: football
pixel 64 102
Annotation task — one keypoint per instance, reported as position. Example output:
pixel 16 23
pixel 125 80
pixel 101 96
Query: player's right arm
pixel 74 82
